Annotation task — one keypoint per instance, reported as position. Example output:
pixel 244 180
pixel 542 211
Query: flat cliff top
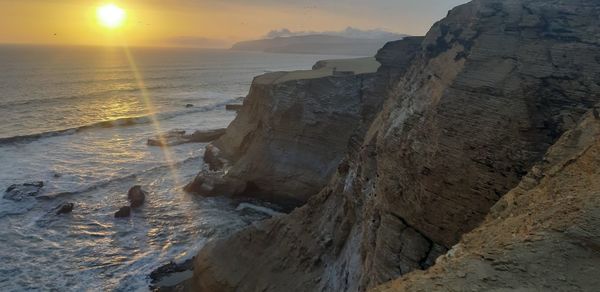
pixel 323 68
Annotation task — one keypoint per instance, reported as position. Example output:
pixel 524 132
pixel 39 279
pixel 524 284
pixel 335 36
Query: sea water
pixel 78 118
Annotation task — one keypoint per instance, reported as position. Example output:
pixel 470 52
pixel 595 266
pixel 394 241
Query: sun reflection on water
pixel 149 105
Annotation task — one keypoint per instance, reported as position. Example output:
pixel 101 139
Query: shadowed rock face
pixel 292 132
pixel 495 84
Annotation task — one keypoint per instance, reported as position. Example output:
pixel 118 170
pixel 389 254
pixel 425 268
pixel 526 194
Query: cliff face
pixel 293 130
pixel 543 235
pixel 291 133
pixel 495 84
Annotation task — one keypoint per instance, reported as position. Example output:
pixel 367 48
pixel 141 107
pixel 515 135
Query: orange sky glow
pixel 203 22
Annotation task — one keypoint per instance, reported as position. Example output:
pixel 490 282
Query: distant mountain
pixel 362 43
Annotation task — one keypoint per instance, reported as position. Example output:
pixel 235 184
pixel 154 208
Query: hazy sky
pixel 208 22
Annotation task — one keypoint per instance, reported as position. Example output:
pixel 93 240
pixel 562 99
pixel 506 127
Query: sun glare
pixel 111 15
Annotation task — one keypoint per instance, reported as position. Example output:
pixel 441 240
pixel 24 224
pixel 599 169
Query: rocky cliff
pixel 291 133
pixel 543 235
pixel 293 130
pixel 494 85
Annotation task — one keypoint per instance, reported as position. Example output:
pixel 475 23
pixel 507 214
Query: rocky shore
pixel 468 160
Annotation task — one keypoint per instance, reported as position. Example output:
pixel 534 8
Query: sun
pixel 111 15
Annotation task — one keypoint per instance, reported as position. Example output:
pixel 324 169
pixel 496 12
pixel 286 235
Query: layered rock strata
pixel 495 84
pixel 292 132
pixel 544 235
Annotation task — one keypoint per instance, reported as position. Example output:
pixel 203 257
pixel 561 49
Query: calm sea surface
pixel 78 119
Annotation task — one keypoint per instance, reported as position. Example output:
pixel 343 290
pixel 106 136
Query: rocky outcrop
pixel 178 137
pixel 543 235
pixel 495 85
pixel 19 192
pixel 291 133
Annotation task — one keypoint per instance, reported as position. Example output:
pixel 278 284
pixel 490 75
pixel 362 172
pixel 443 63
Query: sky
pixel 207 23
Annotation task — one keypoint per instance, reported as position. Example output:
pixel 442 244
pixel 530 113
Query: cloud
pixel 349 32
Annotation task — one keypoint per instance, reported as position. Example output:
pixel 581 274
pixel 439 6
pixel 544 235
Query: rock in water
pixel 189 105
pixel 18 192
pixel 215 184
pixel 171 138
pixel 65 208
pixel 178 137
pixel 136 196
pixel 123 212
pixel 233 107
pixel 171 268
pixel 203 136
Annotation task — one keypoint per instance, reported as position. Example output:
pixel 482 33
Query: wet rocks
pixel 123 212
pixel 170 138
pixel 203 136
pixel 213 159
pixel 234 107
pixel 170 268
pixel 136 196
pixel 64 208
pixel 216 184
pixel 178 137
pixel 19 192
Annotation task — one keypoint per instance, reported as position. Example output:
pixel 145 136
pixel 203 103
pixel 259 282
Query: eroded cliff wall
pixel 293 130
pixel 543 235
pixel 495 84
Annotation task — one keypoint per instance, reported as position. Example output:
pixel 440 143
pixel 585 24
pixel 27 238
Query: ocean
pixel 78 118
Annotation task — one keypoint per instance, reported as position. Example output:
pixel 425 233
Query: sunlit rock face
pixel 542 235
pixel 493 86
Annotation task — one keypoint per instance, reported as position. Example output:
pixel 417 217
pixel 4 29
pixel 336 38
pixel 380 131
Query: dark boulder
pixel 136 196
pixel 65 208
pixel 18 192
pixel 123 212
pixel 189 105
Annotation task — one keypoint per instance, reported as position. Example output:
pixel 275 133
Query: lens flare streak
pixel 147 101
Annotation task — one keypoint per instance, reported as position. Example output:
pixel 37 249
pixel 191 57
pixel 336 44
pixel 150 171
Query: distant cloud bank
pixel 349 32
